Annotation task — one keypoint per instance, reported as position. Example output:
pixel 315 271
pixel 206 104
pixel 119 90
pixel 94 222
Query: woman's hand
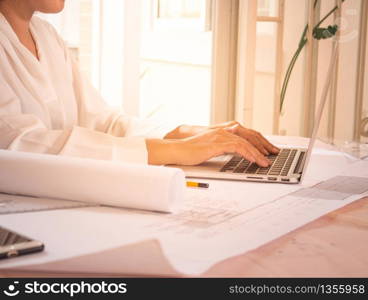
pixel 252 136
pixel 201 147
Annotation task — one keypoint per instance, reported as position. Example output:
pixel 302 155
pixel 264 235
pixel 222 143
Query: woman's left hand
pixel 252 136
pixel 234 127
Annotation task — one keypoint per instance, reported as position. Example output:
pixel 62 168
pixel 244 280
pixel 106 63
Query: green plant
pixel 318 33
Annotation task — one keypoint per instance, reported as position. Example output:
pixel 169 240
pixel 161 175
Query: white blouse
pixel 47 107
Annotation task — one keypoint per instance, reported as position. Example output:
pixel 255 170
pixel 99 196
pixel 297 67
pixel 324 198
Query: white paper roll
pixel 95 181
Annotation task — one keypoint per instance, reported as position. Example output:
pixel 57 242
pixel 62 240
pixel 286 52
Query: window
pixel 267 8
pixel 174 59
pixel 268 65
pixel 182 9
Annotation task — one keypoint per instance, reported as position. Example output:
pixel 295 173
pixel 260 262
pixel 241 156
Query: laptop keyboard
pixel 280 164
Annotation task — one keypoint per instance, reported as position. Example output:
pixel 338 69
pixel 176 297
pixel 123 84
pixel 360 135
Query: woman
pixel 46 107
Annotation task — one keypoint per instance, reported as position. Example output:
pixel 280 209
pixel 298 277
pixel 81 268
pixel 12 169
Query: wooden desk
pixel 335 245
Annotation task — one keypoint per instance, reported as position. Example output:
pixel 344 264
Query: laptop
pixel 288 166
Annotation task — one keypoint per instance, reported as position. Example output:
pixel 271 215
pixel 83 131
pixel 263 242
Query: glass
pixel 176 53
pixel 268 8
pixel 179 9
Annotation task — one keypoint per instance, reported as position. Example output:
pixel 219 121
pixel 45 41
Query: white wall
pixel 66 22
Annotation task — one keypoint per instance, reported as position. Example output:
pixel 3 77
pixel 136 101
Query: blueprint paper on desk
pixel 245 229
pixel 10 204
pixel 335 188
pixel 228 219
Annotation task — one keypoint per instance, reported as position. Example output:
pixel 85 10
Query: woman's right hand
pixel 201 147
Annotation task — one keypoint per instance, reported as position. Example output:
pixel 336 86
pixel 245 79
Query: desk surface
pixel 335 245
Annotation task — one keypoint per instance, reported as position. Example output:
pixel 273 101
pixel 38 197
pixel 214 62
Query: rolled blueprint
pixel 95 181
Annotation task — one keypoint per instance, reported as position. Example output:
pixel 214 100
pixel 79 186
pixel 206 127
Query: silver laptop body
pixel 289 166
pixel 286 167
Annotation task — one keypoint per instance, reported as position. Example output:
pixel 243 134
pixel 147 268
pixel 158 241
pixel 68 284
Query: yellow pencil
pixel 197 184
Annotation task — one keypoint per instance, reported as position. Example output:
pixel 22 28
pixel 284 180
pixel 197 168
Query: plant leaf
pixel 322 33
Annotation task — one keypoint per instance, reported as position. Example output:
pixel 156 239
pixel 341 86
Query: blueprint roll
pixel 94 181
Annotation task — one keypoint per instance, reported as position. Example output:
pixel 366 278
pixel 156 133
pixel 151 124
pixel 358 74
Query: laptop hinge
pixel 299 165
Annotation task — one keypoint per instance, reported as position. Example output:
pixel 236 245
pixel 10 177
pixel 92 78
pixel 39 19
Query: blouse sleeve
pixel 95 114
pixel 26 132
